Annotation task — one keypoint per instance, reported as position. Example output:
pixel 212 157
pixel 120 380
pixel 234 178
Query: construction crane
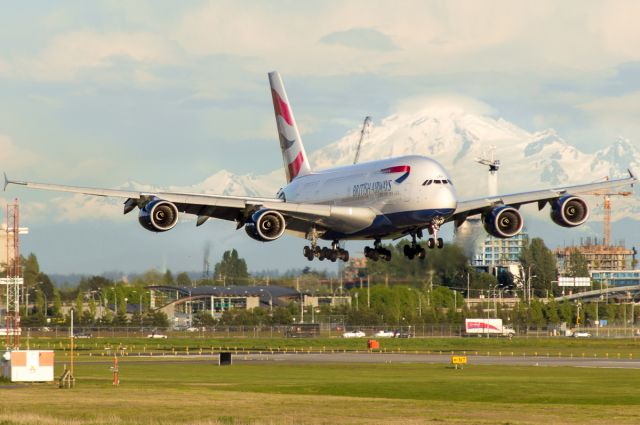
pixel 606 205
pixel 494 166
pixel 366 128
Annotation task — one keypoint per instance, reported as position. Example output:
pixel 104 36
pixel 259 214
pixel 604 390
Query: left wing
pixel 542 197
pixel 301 216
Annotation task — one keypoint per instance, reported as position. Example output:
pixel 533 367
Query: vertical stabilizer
pixel 295 158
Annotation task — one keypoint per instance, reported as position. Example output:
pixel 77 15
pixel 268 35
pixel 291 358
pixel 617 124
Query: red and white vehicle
pixel 481 327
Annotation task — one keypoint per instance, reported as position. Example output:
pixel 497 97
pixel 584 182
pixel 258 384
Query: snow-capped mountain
pixel 456 138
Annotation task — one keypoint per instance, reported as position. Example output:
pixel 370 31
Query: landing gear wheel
pixel 333 256
pixel 431 243
pixel 308 253
pixel 344 255
pixel 440 243
pixel 421 253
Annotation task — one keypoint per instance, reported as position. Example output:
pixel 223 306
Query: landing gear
pixel 434 240
pixel 332 254
pixel 377 252
pixel 414 250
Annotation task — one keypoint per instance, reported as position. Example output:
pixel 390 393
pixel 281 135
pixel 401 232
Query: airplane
pixel 385 199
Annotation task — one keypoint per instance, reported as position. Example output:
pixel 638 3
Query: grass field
pixel 180 392
pixel 557 346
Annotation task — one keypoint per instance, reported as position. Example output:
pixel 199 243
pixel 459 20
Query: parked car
pixel 579 334
pixel 354 334
pixel 157 336
pixel 385 334
pixel 82 335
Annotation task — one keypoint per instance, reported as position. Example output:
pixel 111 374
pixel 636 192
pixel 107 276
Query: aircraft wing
pixel 227 207
pixel 542 197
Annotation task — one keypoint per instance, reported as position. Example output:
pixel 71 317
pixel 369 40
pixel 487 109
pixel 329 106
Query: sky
pixel 167 93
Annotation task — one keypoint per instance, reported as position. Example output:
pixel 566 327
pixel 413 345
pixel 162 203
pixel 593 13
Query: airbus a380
pixel 386 199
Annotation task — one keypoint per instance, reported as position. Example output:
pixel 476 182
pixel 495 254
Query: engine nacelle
pixel 158 215
pixel 569 211
pixel 265 225
pixel 503 222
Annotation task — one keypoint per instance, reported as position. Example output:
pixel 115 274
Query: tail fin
pixel 295 158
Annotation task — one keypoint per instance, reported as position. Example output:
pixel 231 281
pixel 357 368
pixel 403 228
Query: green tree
pixel 57 304
pixel 167 278
pixel 540 261
pixel 281 316
pixel 202 318
pixel 79 305
pixel 577 264
pixel 39 303
pixel 183 279
pixel 92 308
pixel 31 270
pixel 232 268
pixel 567 313
pixel 551 312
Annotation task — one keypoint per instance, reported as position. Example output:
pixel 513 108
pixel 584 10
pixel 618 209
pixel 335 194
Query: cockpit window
pixel 427 182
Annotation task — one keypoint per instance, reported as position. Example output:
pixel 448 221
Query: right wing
pixel 301 216
pixel 542 197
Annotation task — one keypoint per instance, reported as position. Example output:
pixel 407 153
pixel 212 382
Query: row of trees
pixel 432 291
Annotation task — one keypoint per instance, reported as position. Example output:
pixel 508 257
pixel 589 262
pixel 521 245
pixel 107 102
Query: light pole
pixel 419 302
pixel 45 299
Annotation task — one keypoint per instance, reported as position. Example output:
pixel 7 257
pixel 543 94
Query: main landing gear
pixel 414 250
pixel 332 254
pixel 377 252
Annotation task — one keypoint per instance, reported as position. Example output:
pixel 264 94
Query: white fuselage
pixel 405 192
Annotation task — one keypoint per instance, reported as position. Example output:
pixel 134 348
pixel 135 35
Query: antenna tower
pixel 13 282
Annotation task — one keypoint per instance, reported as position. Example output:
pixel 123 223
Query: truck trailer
pixel 487 327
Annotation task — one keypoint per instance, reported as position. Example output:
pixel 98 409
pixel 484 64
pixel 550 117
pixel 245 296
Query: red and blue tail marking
pixel 293 154
pixel 406 169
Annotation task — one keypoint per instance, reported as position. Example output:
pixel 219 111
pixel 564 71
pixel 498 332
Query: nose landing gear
pixel 434 240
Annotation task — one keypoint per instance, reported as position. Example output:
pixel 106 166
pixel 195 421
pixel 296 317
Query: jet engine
pixel 265 225
pixel 158 215
pixel 569 211
pixel 503 222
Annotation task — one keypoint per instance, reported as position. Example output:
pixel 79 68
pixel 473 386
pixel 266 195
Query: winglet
pixel 632 176
pixel 6 182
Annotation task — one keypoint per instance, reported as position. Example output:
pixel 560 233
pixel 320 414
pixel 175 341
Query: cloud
pixel 445 104
pixel 73 55
pixel 13 157
pixel 615 116
pixel 361 38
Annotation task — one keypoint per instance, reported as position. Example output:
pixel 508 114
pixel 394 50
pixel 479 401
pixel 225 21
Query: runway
pixel 438 359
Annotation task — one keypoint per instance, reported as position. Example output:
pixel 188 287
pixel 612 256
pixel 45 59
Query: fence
pixel 326 330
